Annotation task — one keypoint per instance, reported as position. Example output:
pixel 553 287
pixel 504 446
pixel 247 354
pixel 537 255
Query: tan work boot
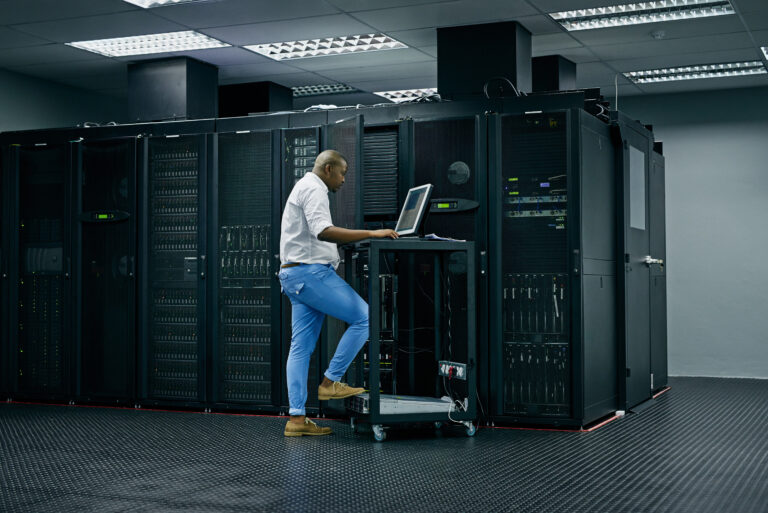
pixel 309 428
pixel 337 390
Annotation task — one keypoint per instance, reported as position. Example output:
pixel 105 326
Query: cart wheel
pixel 438 424
pixel 471 430
pixel 378 433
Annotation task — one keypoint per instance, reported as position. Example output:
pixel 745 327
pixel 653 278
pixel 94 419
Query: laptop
pixel 414 209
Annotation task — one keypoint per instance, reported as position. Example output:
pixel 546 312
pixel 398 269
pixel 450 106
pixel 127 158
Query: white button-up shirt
pixel 306 214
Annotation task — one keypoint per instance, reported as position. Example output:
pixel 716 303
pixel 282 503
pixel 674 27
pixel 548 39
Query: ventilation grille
pixel 380 167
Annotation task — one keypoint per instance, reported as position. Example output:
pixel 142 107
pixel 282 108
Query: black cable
pixel 505 79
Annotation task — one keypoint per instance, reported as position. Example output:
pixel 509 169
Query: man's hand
pixel 384 233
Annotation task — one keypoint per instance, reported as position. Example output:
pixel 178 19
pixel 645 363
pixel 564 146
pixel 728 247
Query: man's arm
pixel 345 236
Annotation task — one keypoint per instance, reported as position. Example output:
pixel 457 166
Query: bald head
pixel 331 166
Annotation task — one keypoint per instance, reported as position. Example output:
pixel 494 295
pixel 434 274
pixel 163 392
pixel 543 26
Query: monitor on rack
pixel 414 209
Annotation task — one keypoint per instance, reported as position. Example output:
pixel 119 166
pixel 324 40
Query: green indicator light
pixel 513 193
pixel 443 205
pixel 103 216
pixel 513 179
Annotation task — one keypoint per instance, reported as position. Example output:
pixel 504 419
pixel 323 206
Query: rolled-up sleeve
pixel 317 211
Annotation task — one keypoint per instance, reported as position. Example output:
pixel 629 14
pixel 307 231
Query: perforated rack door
pixel 42 342
pixel 248 304
pixel 537 350
pixel 106 285
pixel 175 351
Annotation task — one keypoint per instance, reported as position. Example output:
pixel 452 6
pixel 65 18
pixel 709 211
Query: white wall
pixel 30 103
pixel 716 150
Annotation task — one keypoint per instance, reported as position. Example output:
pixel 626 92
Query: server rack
pixel 245 298
pixel 4 206
pixel 105 269
pixel 299 147
pixel 552 233
pixel 173 268
pixel 40 341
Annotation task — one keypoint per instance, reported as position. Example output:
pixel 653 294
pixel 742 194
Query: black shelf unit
pixel 552 233
pixel 245 297
pixel 104 270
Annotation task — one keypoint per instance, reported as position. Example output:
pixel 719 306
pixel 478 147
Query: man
pixel 308 258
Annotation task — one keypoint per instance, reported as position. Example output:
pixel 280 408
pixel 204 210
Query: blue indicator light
pixel 544 184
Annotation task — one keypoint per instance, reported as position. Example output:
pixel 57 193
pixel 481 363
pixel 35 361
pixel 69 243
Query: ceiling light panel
pixel 148 4
pixel 765 51
pixel 150 43
pixel 404 95
pixel 641 12
pixel 731 69
pixel 328 46
pixel 316 90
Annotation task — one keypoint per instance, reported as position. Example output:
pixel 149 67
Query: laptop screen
pixel 416 204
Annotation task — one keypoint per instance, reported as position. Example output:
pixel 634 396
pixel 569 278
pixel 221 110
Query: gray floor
pixel 702 447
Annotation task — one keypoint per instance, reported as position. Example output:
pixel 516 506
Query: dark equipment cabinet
pixel 656 207
pixel 4 292
pixel 105 242
pixel 40 342
pixel 552 233
pixel 172 265
pixel 245 203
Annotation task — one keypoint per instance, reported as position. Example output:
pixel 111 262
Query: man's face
pixel 337 173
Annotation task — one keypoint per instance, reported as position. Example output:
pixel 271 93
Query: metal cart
pixel 409 264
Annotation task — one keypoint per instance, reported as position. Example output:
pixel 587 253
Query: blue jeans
pixel 316 290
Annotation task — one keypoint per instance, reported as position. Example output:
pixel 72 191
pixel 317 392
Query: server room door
pixel 106 289
pixel 637 341
pixel 173 267
pixel 246 320
pixel 41 343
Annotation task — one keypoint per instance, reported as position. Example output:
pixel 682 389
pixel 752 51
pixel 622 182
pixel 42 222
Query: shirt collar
pixel 318 179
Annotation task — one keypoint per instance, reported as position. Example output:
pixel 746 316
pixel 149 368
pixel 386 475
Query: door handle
pixel 649 260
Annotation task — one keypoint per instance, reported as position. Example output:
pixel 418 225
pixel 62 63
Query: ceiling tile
pixel 369 5
pixel 552 43
pixel 394 71
pixel 672 30
pixel 596 74
pixel 566 5
pixel 10 38
pixel 756 20
pixel 237 12
pixel 251 70
pixel 302 78
pixel 609 92
pixel 674 46
pixel 761 37
pixel 540 24
pixel 291 30
pixel 396 84
pixel 444 14
pixel 101 27
pixel 430 50
pixel 26 11
pixel 417 38
pixel 748 5
pixel 43 54
pixel 378 58
pixel 112 81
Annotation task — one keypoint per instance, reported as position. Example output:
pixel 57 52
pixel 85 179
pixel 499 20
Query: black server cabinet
pixel 657 210
pixel 451 153
pixel 246 304
pixel 553 292
pixel 105 286
pixel 298 149
pixel 39 276
pixel 4 293
pixel 173 270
